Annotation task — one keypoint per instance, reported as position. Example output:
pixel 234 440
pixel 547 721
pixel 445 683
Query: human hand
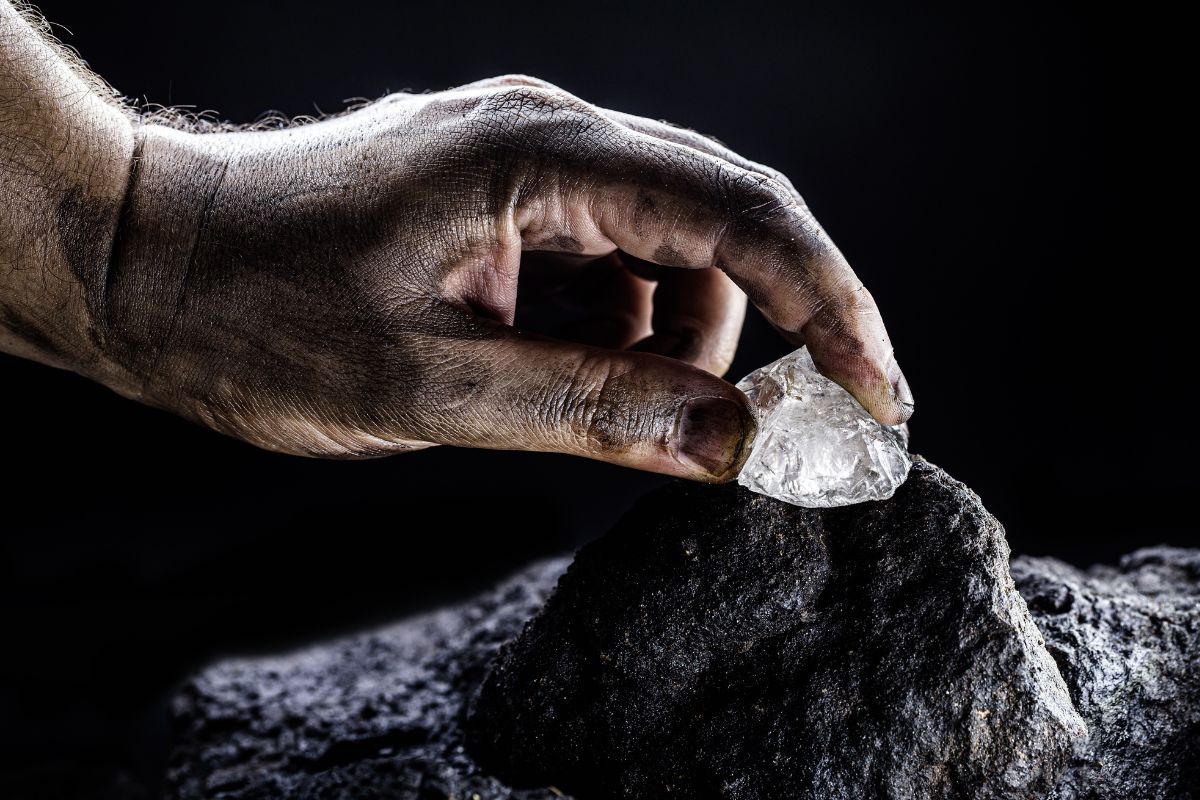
pixel 348 287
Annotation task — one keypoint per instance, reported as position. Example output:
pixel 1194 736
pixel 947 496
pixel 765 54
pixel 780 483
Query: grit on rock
pixel 1127 641
pixel 722 644
pixel 376 717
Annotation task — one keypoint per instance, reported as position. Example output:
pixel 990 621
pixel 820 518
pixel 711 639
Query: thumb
pixel 633 409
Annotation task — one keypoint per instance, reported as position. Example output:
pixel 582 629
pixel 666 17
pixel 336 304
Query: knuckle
pixel 848 300
pixel 517 79
pixel 778 177
pixel 533 102
pixel 540 120
pixel 837 314
pixel 582 395
pixel 759 196
pixel 590 410
pixel 521 98
pixel 708 143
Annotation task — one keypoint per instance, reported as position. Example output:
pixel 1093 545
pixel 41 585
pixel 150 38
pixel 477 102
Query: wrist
pixel 173 195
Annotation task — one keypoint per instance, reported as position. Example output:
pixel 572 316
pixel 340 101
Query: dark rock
pixel 722 644
pixel 1127 641
pixel 740 648
pixel 372 717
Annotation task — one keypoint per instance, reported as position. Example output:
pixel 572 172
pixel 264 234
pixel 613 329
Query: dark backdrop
pixel 970 163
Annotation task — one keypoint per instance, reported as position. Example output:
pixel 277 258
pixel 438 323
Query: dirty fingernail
pixel 903 395
pixel 711 435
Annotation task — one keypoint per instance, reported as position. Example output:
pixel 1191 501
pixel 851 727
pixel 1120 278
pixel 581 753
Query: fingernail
pixel 903 394
pixel 710 435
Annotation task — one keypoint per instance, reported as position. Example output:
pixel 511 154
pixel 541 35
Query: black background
pixel 972 163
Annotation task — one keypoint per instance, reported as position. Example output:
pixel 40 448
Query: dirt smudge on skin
pixel 85 227
pixel 646 215
pixel 669 256
pixel 562 244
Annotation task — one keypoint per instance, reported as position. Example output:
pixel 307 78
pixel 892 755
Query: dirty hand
pixel 348 287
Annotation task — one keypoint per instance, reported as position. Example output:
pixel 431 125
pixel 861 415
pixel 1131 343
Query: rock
pixel 723 644
pixel 372 717
pixel 1127 641
pixel 772 651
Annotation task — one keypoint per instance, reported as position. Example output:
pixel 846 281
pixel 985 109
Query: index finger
pixel 674 205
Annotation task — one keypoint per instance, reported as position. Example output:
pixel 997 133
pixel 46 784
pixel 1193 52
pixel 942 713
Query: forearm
pixel 66 149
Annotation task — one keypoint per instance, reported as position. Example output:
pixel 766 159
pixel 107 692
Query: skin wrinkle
pixel 181 295
pixel 116 247
pixel 83 226
pixel 342 287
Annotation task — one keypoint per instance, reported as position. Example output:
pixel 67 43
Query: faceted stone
pixel 817 447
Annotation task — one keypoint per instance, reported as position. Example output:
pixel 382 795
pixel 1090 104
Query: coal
pixel 721 644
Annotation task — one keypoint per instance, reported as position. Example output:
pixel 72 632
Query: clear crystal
pixel 816 446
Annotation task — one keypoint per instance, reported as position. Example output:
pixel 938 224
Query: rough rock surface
pixel 1127 641
pixel 375 717
pixel 381 715
pixel 721 644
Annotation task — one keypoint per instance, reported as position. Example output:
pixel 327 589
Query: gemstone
pixel 817 446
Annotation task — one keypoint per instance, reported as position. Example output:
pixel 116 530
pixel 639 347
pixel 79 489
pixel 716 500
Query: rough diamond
pixel 817 446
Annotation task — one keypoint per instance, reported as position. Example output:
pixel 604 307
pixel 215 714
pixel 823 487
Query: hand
pixel 348 287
